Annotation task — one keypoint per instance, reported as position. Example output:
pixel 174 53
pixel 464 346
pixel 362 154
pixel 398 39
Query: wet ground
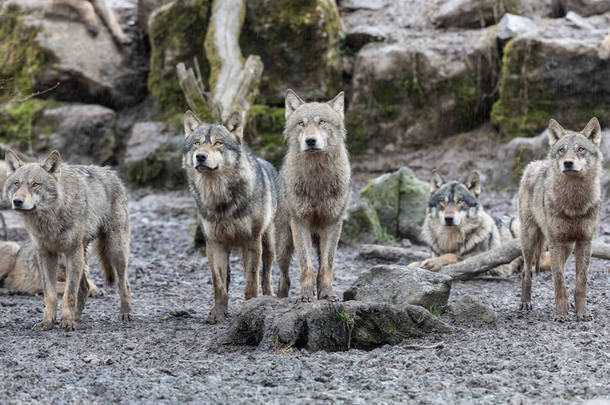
pixel 164 358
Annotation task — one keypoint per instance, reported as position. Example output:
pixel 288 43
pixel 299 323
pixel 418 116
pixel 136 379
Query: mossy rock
pixel 18 122
pixel 298 41
pixel 264 132
pixel 161 170
pixel 177 33
pixel 361 225
pixel 554 72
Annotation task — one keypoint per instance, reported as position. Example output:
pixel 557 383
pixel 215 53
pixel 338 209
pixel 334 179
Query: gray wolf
pixel 88 9
pixel 559 201
pixel 313 188
pixel 236 200
pixel 20 272
pixel 65 208
pixel 456 225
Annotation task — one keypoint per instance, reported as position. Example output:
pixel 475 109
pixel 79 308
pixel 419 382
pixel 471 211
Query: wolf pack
pixel 245 205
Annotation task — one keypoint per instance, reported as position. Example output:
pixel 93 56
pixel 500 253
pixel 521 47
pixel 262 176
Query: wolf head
pixel 314 127
pixel 212 148
pixel 575 153
pixel 34 185
pixel 453 202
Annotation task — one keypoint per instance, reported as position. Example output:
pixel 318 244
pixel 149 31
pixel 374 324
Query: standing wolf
pixel 236 200
pixel 559 201
pixel 456 225
pixel 313 188
pixel 65 208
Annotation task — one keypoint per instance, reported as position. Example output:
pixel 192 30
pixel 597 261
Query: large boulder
pixel 554 71
pixel 587 8
pixel 421 89
pixel 264 132
pixel 298 42
pixel 401 285
pixel 145 9
pixel 512 25
pixel 44 44
pixel 399 199
pixel 471 310
pixel 272 323
pixel 361 225
pixel 177 32
pixel 153 156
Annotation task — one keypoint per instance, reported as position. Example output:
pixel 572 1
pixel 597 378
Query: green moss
pixel 522 158
pixel 177 35
pixel 263 133
pixel 162 170
pixel 18 122
pixel 21 58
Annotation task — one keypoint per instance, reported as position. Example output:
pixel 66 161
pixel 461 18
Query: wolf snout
pixel 570 166
pixel 201 157
pixel 449 221
pixel 311 142
pixel 18 202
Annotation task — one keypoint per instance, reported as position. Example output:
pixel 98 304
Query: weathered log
pixel 390 253
pixel 192 86
pixel 601 250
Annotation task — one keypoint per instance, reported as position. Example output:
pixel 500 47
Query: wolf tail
pixel 105 262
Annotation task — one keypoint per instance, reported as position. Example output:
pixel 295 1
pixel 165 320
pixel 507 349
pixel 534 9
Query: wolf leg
pixel 83 293
pixel 252 262
pixel 86 11
pixel 301 235
pixel 559 256
pixel 75 263
pixel 531 243
pixel 109 18
pixel 47 262
pixel 329 239
pixel 284 249
pixel 218 260
pixel 268 256
pixel 582 256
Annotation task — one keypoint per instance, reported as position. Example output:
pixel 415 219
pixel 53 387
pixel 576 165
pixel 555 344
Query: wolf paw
pixel 305 298
pixel 216 315
pixel 526 306
pixel 328 295
pixel 584 316
pixel 561 316
pixel 42 325
pixel 125 316
pixel 431 264
pixel 96 293
pixel 67 325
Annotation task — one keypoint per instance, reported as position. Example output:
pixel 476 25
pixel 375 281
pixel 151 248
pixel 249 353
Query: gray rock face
pixel 471 310
pixel 578 21
pixel 272 323
pixel 361 225
pixel 145 140
pixel 587 7
pixel 401 285
pixel 362 4
pixel 84 134
pixel 512 25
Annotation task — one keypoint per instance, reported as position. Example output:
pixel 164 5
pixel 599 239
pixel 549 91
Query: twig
pixel 438 345
pixel 38 93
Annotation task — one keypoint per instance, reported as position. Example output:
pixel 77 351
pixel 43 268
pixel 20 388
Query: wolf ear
pixel 338 103
pixel 235 125
pixel 52 163
pixel 191 122
pixel 436 181
pixel 593 131
pixel 13 160
pixel 556 131
pixel 473 184
pixel 292 102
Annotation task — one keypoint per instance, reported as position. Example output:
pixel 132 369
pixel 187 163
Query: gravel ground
pixel 163 358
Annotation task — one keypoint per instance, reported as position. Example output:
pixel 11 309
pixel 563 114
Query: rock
pixel 399 198
pixel 145 9
pixel 3 175
pixel 264 132
pixel 394 284
pixel 153 156
pixel 361 225
pixel 420 90
pixel 44 43
pixel 298 42
pixel 512 25
pixel 472 311
pixel 578 21
pixel 587 8
pixel 176 33
pixel 604 49
pixel 272 323
pixel 554 71
pixel 514 156
pixel 362 4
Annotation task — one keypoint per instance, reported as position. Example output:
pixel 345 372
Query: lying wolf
pixel 559 201
pixel 313 188
pixel 456 225
pixel 236 200
pixel 65 208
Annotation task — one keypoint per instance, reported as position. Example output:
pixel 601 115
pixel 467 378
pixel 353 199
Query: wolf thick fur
pixel 20 272
pixel 88 9
pixel 313 189
pixel 456 225
pixel 65 208
pixel 236 199
pixel 559 201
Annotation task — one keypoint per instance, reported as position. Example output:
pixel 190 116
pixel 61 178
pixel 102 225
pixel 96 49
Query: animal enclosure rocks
pixel 421 89
pixel 587 8
pixel 145 9
pixel 272 323
pixel 400 199
pixel 401 285
pixel 43 43
pixel 298 41
pixel 554 71
pixel 512 25
pixel 472 310
pixel 361 225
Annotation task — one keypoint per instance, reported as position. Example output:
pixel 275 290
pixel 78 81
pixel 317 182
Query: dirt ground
pixel 162 358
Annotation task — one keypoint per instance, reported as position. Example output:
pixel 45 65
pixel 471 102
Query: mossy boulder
pixel 556 71
pixel 361 225
pixel 264 132
pixel 38 52
pixel 421 90
pixel 298 41
pixel 18 122
pixel 399 199
pixel 177 33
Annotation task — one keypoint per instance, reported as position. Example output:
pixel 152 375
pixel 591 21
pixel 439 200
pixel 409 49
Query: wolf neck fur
pixel 218 191
pixel 576 195
pixel 451 239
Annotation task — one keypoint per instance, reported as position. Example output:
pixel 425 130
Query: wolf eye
pixel 562 150
pixel 218 143
pixel 322 122
pixel 580 149
pixel 16 183
pixel 459 201
pixel 35 185
pixel 301 124
pixel 196 143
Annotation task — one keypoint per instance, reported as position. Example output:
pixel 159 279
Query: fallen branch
pixel 438 345
pixel 390 253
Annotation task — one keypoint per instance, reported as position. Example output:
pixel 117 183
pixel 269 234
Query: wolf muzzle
pixel 201 163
